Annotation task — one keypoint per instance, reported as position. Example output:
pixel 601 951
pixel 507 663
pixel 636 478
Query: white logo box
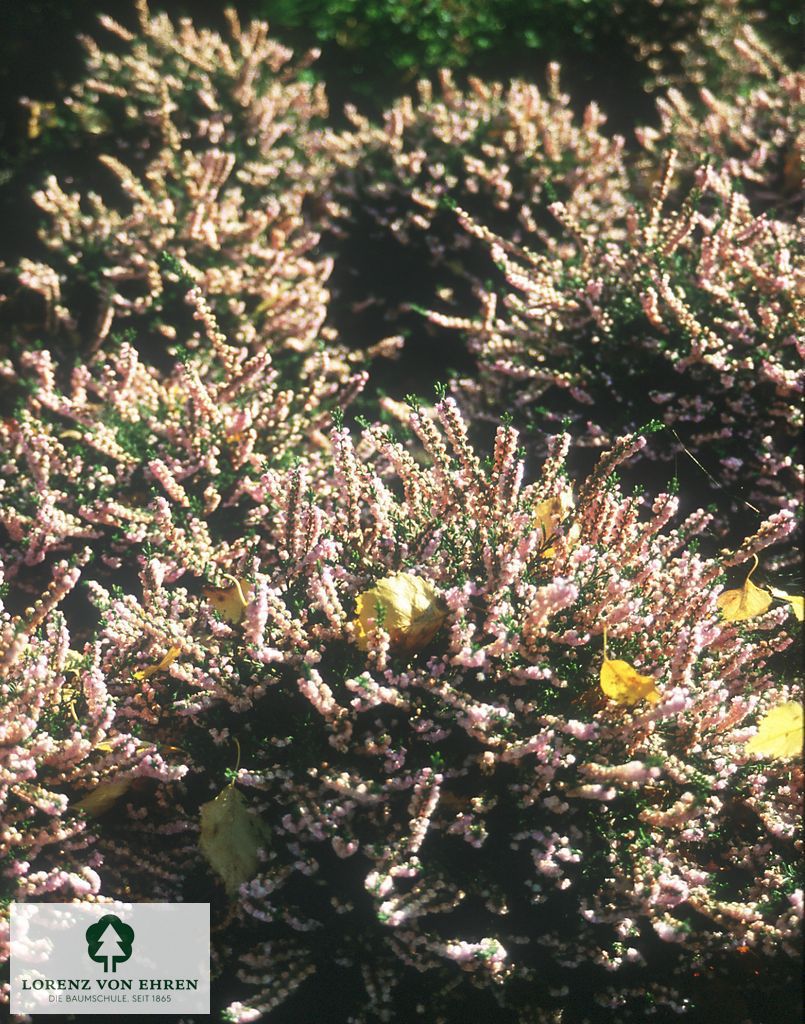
pixel 110 958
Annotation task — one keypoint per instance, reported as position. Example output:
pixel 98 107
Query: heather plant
pixel 168 81
pixel 84 469
pixel 107 268
pixel 701 287
pixel 52 758
pixel 216 148
pixel 86 459
pixel 509 158
pixel 502 152
pixel 751 124
pixel 488 738
pixel 694 43
pixel 447 733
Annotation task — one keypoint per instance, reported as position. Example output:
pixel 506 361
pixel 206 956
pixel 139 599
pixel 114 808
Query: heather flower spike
pixel 780 733
pixel 745 602
pixel 622 683
pixel 410 608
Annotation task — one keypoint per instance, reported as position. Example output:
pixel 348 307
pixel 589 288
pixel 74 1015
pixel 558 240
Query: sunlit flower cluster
pixel 208 151
pixel 508 152
pixel 751 124
pixel 693 318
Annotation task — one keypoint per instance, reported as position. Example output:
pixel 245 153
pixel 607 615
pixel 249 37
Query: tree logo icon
pixel 109 942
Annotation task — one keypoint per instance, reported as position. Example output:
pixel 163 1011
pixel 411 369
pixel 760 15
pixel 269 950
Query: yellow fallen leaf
pixel 797 601
pixel 69 693
pixel 103 797
pixel 39 115
pixel 780 732
pixel 230 602
pixel 549 514
pixel 230 838
pixel 622 683
pixel 167 661
pixel 107 747
pixel 745 602
pixel 411 610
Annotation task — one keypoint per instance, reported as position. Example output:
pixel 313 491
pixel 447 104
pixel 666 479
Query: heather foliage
pixel 696 45
pixel 750 123
pixel 89 460
pixel 211 154
pixel 507 152
pixel 433 722
pixel 166 82
pixel 481 780
pixel 600 268
pixel 700 286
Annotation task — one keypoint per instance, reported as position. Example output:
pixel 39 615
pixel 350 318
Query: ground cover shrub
pixel 511 160
pixel 119 431
pixel 238 89
pixel 749 121
pixel 694 313
pixel 693 43
pixel 212 152
pixel 505 151
pixel 436 776
pixel 485 739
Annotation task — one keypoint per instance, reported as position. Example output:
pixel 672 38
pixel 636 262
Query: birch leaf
pixel 780 733
pixel 622 683
pixel 744 602
pixel 230 602
pixel 797 601
pixel 411 609
pixel 103 797
pixel 549 514
pixel 230 838
pixel 167 661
